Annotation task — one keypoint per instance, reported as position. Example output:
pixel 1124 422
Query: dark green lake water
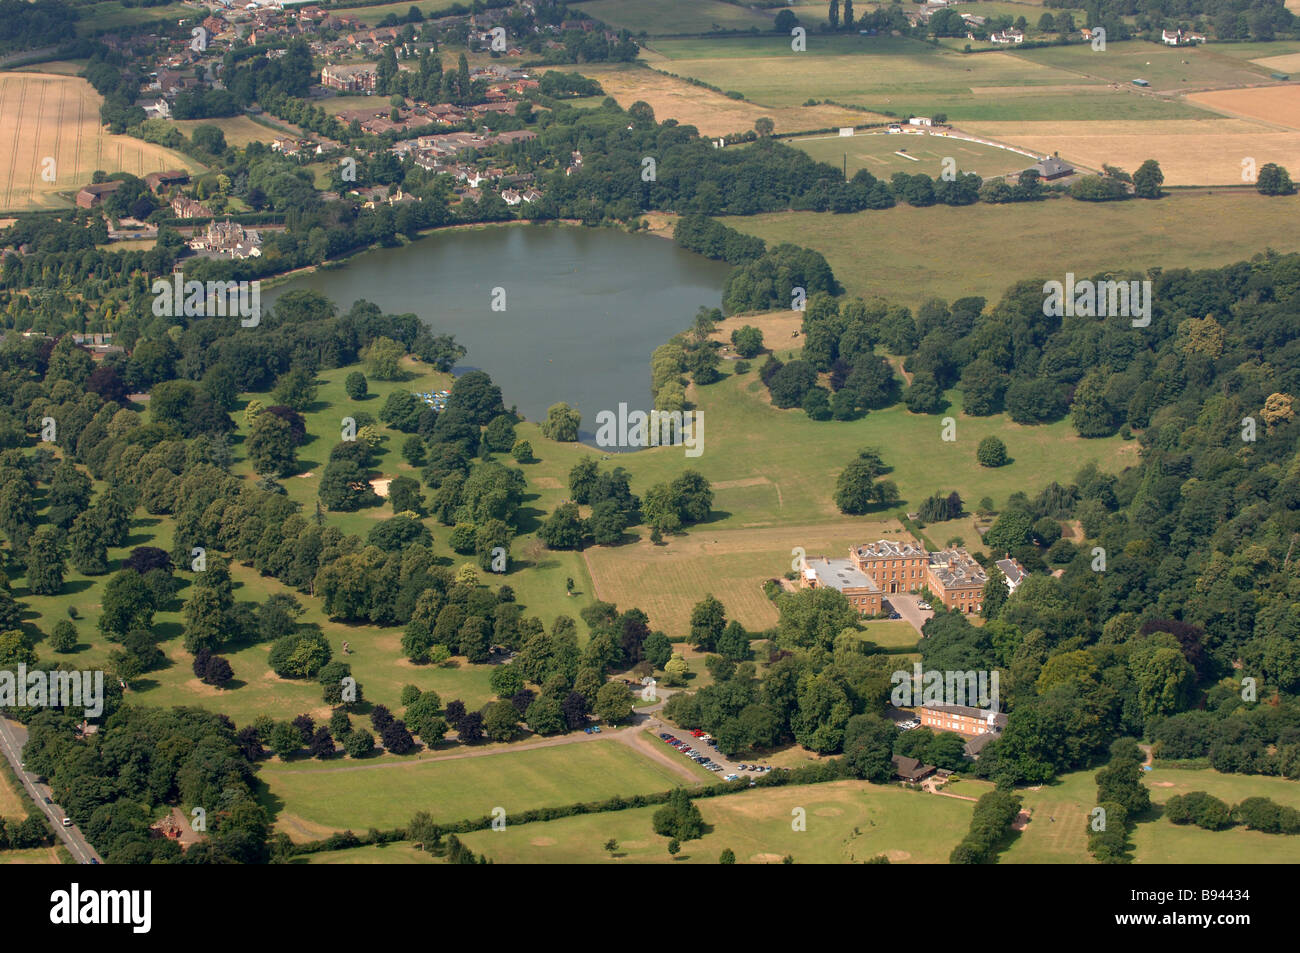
pixel 585 307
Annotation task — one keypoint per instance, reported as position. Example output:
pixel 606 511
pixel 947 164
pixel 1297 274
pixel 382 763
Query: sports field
pixel 712 113
pixel 1190 151
pixel 878 154
pixel 315 798
pixel 903 77
pixel 845 822
pixel 49 117
pixel 908 254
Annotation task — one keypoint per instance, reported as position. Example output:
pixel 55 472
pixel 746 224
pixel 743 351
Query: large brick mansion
pixel 875 570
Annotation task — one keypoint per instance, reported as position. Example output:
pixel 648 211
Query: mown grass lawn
pixel 387 791
pixel 846 822
pixel 1155 840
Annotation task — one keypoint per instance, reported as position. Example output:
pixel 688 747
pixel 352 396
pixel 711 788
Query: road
pixel 12 738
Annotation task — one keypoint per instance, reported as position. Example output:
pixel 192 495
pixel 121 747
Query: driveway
pixel 12 738
pixel 905 605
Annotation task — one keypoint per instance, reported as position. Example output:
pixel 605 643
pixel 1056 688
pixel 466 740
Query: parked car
pixel 731 777
pixel 894 615
pixel 924 606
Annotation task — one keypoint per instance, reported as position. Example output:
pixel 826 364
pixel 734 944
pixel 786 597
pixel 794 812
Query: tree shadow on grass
pixel 167 631
pixel 715 516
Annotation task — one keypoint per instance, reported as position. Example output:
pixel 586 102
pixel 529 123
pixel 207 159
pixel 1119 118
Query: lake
pixel 584 307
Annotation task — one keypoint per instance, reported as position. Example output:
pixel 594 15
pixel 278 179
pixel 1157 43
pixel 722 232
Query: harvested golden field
pixel 713 114
pixel 666 581
pixel 1279 105
pixel 44 117
pixel 1190 151
pixel 1286 63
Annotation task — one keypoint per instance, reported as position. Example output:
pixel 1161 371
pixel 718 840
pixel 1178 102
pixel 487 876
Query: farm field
pixel 908 254
pixel 660 17
pixel 369 16
pixel 112 15
pixel 903 77
pixel 847 822
pixel 314 798
pixel 239 130
pixel 54 67
pixel 1190 151
pixel 36 855
pixel 1167 69
pixel 1282 63
pixel 1278 105
pixel 712 113
pixel 11 803
pixel 51 116
pixel 877 153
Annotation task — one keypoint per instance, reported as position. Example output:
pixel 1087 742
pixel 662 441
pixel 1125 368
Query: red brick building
pixel 895 566
pixel 956 579
pixel 962 719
